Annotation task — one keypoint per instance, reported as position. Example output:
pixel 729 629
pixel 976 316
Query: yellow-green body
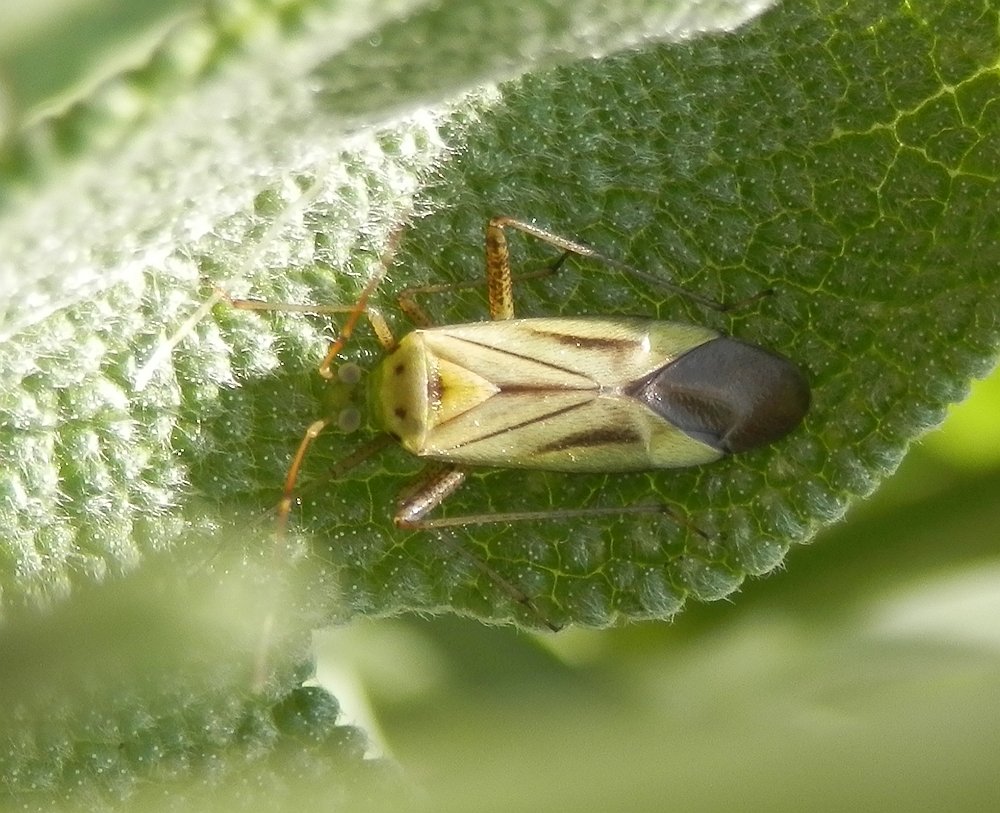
pixel 548 393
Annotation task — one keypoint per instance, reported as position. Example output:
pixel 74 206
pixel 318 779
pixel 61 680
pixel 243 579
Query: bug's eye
pixel 728 394
pixel 349 420
pixel 349 373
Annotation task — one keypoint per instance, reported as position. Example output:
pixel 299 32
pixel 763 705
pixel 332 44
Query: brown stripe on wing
pixel 589 342
pixel 604 436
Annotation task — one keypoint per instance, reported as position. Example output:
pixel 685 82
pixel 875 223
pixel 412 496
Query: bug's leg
pixel 433 485
pixel 499 280
pixel 407 297
pixel 497 224
pixel 385 337
pixel 389 342
pixel 293 307
pixel 556 514
pixel 341 467
pixel 355 311
pixel 288 492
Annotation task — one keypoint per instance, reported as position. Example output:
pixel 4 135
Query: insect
pixel 569 394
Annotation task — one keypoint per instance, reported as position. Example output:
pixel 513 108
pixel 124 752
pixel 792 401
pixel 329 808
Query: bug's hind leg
pixel 498 256
pixel 435 484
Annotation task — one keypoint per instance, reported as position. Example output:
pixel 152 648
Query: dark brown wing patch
pixel 604 436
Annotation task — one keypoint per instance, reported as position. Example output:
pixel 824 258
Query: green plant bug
pixel 569 394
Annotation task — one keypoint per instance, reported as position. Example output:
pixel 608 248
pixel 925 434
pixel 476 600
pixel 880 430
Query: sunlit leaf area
pixel 809 625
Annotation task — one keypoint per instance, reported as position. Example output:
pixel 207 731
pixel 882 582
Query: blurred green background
pixel 865 675
pixel 54 49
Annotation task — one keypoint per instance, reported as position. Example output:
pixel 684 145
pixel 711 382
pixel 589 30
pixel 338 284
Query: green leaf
pixel 151 656
pixel 259 179
pixel 844 159
pixel 731 165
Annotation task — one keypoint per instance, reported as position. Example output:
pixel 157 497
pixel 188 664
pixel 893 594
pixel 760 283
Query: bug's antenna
pixel 361 308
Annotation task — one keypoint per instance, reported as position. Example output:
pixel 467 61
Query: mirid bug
pixel 570 394
pixel 578 394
